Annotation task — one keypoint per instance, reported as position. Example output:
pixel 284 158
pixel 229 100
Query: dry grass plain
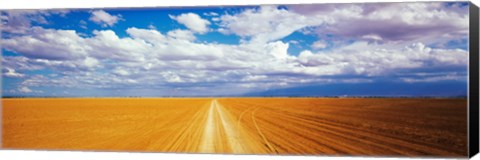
pixel 307 126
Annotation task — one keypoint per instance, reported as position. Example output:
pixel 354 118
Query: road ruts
pixel 222 135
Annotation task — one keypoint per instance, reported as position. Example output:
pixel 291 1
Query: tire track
pixel 232 132
pixel 270 147
pixel 207 145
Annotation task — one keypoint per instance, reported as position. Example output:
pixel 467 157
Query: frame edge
pixel 473 85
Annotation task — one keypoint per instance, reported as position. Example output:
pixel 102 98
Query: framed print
pixel 346 79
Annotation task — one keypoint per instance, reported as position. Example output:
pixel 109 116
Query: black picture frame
pixel 473 80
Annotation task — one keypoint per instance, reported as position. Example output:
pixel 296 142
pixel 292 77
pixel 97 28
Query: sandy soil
pixel 311 126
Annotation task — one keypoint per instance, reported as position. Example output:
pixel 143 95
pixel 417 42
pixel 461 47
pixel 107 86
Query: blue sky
pixel 374 49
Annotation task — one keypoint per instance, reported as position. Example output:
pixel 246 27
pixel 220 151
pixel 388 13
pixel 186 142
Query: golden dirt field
pixel 312 126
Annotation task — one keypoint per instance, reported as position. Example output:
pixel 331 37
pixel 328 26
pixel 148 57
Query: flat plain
pixel 300 126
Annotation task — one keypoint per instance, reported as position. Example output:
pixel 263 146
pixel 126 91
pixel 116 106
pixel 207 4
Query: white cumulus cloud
pixel 9 72
pixel 268 23
pixel 103 18
pixel 320 44
pixel 25 89
pixel 193 22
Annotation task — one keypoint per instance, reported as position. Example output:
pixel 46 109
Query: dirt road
pixel 318 126
pixel 222 135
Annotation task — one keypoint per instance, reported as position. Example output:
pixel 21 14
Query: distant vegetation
pixel 345 96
